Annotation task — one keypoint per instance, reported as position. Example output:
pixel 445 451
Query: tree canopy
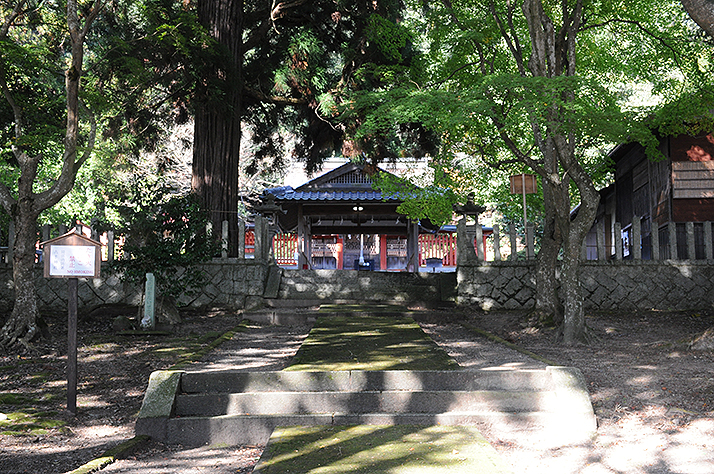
pixel 546 87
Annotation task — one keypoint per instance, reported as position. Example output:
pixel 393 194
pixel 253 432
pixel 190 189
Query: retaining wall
pixel 367 286
pixel 229 283
pixel 621 285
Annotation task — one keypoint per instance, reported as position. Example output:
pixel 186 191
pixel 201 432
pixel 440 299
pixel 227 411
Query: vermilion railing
pixel 285 247
pixel 441 246
pixel 249 242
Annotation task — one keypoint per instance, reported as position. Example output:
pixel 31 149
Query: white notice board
pixel 72 261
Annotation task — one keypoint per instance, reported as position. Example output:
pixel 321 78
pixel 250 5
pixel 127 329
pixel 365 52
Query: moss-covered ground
pixel 400 449
pixel 369 341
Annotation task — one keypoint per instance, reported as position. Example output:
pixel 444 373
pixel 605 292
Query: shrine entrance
pixel 342 222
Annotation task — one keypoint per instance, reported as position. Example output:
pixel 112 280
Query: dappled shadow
pixel 379 449
pixel 156 458
pixel 364 341
pixel 112 376
pixel 652 396
pixel 48 456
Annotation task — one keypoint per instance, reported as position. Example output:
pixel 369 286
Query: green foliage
pixel 389 37
pixel 486 109
pixel 167 236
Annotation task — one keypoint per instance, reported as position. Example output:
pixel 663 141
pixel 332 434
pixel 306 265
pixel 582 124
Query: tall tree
pixel 536 83
pixel 217 132
pixel 30 148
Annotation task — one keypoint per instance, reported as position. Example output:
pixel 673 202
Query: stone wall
pixel 229 283
pixel 621 285
pixel 233 283
pixel 367 286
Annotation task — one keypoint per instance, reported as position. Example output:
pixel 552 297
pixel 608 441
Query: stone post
pixel 708 250
pixel 672 228
pixel 224 240
pixel 480 253
pixel 149 319
pixel 530 241
pixel 691 251
pixel 514 242
pixel 600 228
pixel 258 233
pixel 241 238
pixel 496 243
pixel 62 229
pixel 618 241
pixel 110 246
pixel 636 238
pixel 654 237
pixel 45 232
pixel 465 252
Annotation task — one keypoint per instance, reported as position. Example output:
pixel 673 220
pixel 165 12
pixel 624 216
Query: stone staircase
pixel 237 407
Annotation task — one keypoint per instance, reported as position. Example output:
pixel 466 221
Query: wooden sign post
pixel 72 256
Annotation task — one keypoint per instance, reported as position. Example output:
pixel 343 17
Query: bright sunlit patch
pixel 91 401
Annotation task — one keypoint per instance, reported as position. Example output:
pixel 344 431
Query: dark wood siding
pixel 693 210
pixel 686 148
pixel 660 187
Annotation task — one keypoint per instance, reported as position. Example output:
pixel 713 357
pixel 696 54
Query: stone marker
pixel 149 319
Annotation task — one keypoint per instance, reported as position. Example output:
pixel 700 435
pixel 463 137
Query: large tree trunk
pixel 574 229
pixel 702 12
pixel 22 325
pixel 548 307
pixel 553 55
pixel 217 134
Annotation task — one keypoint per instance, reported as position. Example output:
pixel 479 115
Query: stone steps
pixel 233 407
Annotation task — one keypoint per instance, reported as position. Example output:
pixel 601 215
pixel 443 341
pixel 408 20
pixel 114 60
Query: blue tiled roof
pixel 336 195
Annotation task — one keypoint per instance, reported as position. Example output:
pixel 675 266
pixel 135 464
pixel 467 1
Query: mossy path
pixel 369 341
pixel 375 338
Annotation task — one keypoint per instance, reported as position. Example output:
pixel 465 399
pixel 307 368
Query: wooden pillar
pixel 691 252
pixel 383 252
pixel 708 245
pixel 672 229
pixel 618 241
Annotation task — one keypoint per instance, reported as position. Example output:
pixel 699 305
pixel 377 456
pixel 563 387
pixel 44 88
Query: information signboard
pixel 72 256
pixel 72 261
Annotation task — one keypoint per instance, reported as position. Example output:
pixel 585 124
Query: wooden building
pixel 342 222
pixel 677 189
